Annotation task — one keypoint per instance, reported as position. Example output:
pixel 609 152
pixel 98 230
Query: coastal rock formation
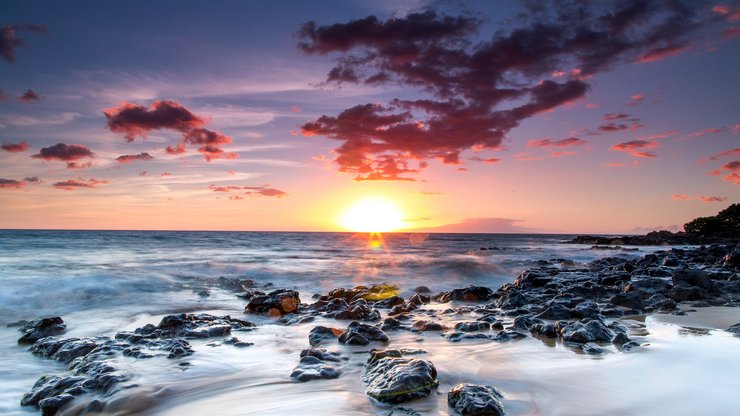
pixel 358 333
pixel 468 294
pixel 276 303
pixel 40 328
pixel 316 363
pixel 392 378
pixel 320 334
pixel 475 400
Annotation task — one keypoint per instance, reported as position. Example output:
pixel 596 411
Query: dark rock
pixel 428 326
pixel 320 334
pixel 314 365
pixel 390 323
pixel 422 289
pixel 419 299
pixel 472 326
pixel 630 346
pixel 276 303
pixel 631 300
pixel 683 291
pixel 468 294
pixel 475 400
pixel 660 302
pixel 358 333
pixel 735 329
pixel 398 379
pixel 64 350
pixel 524 322
pixel 52 405
pixel 40 328
pixel 555 312
pixel 698 278
pixel 649 286
pixel 459 336
pixel 389 302
pixel 505 336
pixel 592 348
pixel 585 309
pixel 582 333
pixel 546 330
pixel 402 411
pixel 620 339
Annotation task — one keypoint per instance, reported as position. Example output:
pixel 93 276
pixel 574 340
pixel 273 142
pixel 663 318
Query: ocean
pixel 102 282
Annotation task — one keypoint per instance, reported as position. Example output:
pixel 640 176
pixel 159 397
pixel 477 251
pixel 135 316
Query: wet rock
pixel 735 329
pixel 649 286
pixel 402 411
pixel 422 289
pixel 505 336
pixel 683 291
pixel 419 299
pixel 237 342
pixel 546 330
pixel 660 302
pixel 582 333
pixel 460 336
pixel 64 350
pixel 315 364
pixel 555 312
pixel 424 326
pixel 358 333
pixel 40 328
pixel 402 309
pixel 52 386
pixel 358 311
pixel 472 326
pixel 468 294
pixel 187 325
pixel 394 380
pixel 620 339
pixel 52 405
pixel 475 400
pixel 630 346
pixel 389 302
pixel 321 334
pixel 592 348
pixel 585 309
pixel 631 300
pixel 390 323
pixel 276 303
pixel 698 278
pixel 525 322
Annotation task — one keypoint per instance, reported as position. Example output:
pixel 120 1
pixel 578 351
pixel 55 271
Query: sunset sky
pixel 494 116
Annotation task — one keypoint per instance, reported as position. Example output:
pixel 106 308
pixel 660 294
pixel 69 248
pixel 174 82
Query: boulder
pixel 475 400
pixel 315 364
pixel 320 334
pixel 358 333
pixel 468 294
pixel 276 303
pixel 631 300
pixel 40 328
pixel 472 326
pixel 392 379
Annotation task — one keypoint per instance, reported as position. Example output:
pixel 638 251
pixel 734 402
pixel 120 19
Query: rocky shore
pixel 583 306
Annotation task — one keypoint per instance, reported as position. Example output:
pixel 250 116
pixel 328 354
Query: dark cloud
pixel 134 121
pixel 709 199
pixel 637 148
pixel 15 147
pixel 30 96
pixel 69 153
pixel 733 166
pixel 619 122
pixel 72 184
pixel 16 184
pixel 476 92
pixel 264 190
pixel 132 158
pixel 9 40
pixel 572 141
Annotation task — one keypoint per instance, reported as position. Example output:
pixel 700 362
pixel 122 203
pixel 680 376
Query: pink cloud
pixel 615 165
pixel 637 148
pixel 131 158
pixel 30 96
pixel 572 141
pixel 714 172
pixel 730 152
pixel 178 149
pixel 732 166
pixel 660 53
pixel 15 147
pixel 680 197
pixel 711 130
pixel 664 135
pixel 732 178
pixel 72 184
pixel 488 160
pixel 264 190
pixel 709 199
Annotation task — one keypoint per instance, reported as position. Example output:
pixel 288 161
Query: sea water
pixel 103 282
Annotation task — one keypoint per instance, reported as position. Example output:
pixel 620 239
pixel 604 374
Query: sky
pixel 561 117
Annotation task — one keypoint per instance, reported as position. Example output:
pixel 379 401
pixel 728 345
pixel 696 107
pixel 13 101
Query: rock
pixel 427 326
pixel 525 322
pixel 468 294
pixel 40 328
pixel 582 333
pixel 459 336
pixel 64 350
pixel 419 299
pixel 585 309
pixel 546 330
pixel 698 278
pixel 422 289
pixel 394 380
pixel 620 339
pixel 276 303
pixel 390 323
pixel 735 329
pixel 592 348
pixel 630 346
pixel 472 326
pixel 361 334
pixel 52 405
pixel 402 411
pixel 649 286
pixel 320 334
pixel 683 291
pixel 631 300
pixel 475 400
pixel 555 312
pixel 389 302
pixel 314 365
pixel 660 302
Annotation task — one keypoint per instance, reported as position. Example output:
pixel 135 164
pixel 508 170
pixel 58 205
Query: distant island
pixel 721 228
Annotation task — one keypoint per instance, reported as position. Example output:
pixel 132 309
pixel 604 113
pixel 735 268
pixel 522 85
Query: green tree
pixel 726 222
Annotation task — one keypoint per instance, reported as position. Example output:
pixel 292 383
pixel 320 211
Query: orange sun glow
pixel 372 215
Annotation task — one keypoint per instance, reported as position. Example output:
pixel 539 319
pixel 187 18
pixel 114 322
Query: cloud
pixel 264 190
pixel 480 225
pixel 473 92
pixel 134 121
pixel 705 132
pixel 732 166
pixel 429 193
pixel 619 122
pixel 714 172
pixel 9 40
pixel 72 184
pixel 15 147
pixel 731 32
pixel 11 183
pixel 131 158
pixel 637 148
pixel 730 15
pixel 635 99
pixel 719 155
pixel 66 153
pixel 30 96
pixel 572 141
pixel 664 135
pixel 702 198
pixel 486 160
pixel 662 52
pixel 709 199
pixel 732 178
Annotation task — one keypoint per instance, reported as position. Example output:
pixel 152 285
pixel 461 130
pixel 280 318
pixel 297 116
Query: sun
pixel 372 215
